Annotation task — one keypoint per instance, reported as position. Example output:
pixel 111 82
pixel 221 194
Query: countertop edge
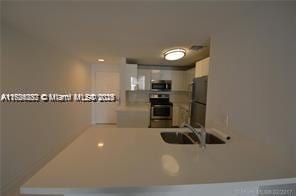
pixel 231 187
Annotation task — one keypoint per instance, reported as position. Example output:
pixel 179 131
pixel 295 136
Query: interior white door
pixel 106 82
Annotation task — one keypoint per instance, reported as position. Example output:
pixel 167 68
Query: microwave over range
pixel 161 85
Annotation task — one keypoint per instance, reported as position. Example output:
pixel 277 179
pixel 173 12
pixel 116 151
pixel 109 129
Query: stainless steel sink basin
pixel 188 138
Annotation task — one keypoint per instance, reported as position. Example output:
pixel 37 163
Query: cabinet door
pixel 144 79
pixel 155 74
pixel 202 67
pixel 161 74
pixel 131 75
pixel 178 80
pixel 166 75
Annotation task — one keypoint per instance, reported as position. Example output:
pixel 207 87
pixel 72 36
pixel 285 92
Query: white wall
pixel 32 132
pixel 252 75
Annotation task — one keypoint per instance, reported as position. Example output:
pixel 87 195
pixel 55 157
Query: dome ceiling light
pixel 174 54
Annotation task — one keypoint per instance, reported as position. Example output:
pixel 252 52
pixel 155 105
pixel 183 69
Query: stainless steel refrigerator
pixel 199 101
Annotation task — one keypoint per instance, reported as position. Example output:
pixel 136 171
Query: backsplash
pixel 141 97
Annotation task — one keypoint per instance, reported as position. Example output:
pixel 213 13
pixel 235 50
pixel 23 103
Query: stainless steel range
pixel 161 111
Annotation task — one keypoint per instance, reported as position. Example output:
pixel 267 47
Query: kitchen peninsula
pixel 137 161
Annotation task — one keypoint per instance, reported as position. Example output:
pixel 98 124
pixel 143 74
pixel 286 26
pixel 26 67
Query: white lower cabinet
pixel 133 117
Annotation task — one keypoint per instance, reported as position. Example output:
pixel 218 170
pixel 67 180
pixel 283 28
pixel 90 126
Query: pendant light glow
pixel 174 54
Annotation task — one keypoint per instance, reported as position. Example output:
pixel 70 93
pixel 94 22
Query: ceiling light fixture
pixel 174 54
pixel 100 60
pixel 100 144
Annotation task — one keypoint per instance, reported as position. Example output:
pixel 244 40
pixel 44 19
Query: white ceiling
pixel 110 30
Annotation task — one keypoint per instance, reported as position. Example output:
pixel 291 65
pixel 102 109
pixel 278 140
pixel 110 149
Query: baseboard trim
pixel 23 176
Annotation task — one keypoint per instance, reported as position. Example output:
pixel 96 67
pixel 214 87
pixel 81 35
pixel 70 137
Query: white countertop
pixel 138 157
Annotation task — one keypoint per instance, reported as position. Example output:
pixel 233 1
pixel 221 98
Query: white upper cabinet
pixel 202 67
pixel 180 79
pixel 130 75
pixel 144 78
pixel 177 77
pixel 156 74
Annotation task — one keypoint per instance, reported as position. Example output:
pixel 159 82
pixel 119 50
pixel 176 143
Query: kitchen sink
pixel 188 138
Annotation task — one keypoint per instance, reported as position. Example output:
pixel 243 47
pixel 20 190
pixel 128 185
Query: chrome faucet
pixel 200 134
